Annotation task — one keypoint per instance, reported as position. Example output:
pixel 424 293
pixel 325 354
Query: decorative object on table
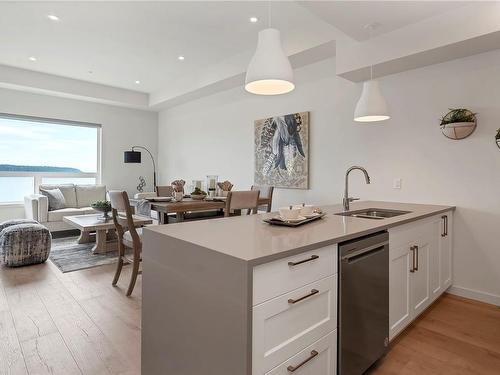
pixel 371 106
pixel 212 185
pixel 24 242
pixel 223 188
pixel 142 184
pixel 459 123
pixel 178 196
pixel 135 157
pixel 282 151
pixel 497 138
pixel 104 207
pixel 197 184
pixel 198 194
pixel 278 220
pixel 178 186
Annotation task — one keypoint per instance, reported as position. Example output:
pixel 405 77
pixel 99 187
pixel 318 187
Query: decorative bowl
pixel 198 197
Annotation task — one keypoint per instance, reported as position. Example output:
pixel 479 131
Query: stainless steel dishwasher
pixel 363 302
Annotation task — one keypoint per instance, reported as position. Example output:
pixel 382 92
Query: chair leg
pixel 135 270
pixel 119 266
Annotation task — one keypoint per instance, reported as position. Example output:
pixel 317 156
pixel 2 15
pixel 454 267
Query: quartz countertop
pixel 249 239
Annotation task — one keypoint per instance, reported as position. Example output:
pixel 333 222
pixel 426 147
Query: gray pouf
pixel 24 242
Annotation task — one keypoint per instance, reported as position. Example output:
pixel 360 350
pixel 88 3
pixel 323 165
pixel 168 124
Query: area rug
pixel 70 256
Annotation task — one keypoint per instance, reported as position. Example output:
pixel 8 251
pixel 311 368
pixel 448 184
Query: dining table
pixel 180 208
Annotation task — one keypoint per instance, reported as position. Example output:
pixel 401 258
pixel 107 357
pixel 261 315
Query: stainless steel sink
pixel 373 213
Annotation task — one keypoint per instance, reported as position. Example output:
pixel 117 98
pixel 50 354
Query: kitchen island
pixel 216 293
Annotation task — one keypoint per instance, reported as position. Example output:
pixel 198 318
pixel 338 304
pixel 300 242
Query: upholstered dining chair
pixel 265 192
pixel 128 236
pixel 241 200
pixel 164 191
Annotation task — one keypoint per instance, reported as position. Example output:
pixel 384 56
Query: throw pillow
pixel 56 199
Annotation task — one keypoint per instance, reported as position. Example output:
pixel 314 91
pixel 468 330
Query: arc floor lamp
pixel 135 157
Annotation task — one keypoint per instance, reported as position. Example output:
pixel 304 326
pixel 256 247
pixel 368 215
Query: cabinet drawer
pixel 287 324
pixel 322 363
pixel 275 278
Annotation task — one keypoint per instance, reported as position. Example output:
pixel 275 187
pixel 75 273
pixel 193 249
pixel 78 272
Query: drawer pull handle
pixel 313 292
pixel 314 353
pixel 313 257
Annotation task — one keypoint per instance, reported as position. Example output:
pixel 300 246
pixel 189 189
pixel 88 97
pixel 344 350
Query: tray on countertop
pixel 293 223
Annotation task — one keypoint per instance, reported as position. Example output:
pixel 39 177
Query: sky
pixel 32 143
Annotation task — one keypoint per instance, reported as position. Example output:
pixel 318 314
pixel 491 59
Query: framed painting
pixel 282 151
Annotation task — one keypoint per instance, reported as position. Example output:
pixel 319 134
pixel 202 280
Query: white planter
pixel 458 130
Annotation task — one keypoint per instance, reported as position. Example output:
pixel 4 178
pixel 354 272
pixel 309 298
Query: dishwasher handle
pixel 356 255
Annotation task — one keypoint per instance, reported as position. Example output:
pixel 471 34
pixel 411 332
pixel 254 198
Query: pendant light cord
pixel 269 14
pixel 370 29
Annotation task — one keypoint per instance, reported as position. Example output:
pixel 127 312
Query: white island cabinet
pixel 236 296
pixel 420 255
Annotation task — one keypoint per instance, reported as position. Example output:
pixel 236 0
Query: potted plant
pixel 459 123
pixel 497 138
pixel 198 194
pixel 102 206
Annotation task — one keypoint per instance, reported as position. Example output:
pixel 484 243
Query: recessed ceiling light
pixel 253 19
pixel 138 82
pixel 53 17
pixel 181 58
pixel 90 72
pixel 32 58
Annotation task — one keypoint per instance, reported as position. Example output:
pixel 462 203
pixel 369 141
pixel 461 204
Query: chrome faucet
pixel 348 199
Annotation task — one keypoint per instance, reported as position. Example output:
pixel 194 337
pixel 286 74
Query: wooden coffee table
pixel 105 234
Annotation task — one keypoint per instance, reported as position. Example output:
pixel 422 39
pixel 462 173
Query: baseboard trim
pixel 475 294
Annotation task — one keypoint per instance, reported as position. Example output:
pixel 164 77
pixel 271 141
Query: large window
pixel 40 151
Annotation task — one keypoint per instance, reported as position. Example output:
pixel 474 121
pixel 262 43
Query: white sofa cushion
pixel 68 191
pixel 128 237
pixel 88 194
pixel 57 215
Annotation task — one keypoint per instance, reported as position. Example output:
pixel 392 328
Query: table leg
pixel 179 216
pixel 111 235
pixel 84 237
pixel 100 242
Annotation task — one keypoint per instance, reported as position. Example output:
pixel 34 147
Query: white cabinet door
pixel 399 289
pixel 434 238
pixel 319 358
pixel 287 324
pixel 419 278
pixel 445 248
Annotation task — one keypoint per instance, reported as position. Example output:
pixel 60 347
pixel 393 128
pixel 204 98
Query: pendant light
pixel 371 106
pixel 269 71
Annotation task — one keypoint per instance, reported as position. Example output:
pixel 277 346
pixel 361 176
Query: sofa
pixel 78 199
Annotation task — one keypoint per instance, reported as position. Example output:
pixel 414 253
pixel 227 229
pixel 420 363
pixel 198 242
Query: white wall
pixel 121 129
pixel 215 135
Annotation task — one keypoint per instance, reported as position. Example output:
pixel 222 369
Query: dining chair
pixel 165 191
pixel 267 193
pixel 128 236
pixel 241 200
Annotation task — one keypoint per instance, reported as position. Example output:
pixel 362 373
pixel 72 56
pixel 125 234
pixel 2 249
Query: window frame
pixel 38 176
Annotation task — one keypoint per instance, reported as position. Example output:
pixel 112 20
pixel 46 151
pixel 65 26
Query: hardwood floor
pixel 77 323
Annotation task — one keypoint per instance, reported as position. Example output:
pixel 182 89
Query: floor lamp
pixel 135 157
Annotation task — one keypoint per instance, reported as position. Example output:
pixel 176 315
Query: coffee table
pixel 105 234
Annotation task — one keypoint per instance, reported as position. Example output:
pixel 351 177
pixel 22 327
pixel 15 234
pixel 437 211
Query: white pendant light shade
pixel 269 71
pixel 371 105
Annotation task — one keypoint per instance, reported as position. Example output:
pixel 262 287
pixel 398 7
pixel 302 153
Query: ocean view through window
pixel 41 151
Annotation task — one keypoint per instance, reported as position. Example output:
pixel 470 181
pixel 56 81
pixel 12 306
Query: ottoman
pixel 24 242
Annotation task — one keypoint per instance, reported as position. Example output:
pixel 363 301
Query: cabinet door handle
pixel 313 257
pixel 416 267
pixel 313 292
pixel 412 249
pixel 445 225
pixel 290 368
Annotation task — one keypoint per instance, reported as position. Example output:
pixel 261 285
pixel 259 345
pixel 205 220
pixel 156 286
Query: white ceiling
pixel 121 42
pixel 351 17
